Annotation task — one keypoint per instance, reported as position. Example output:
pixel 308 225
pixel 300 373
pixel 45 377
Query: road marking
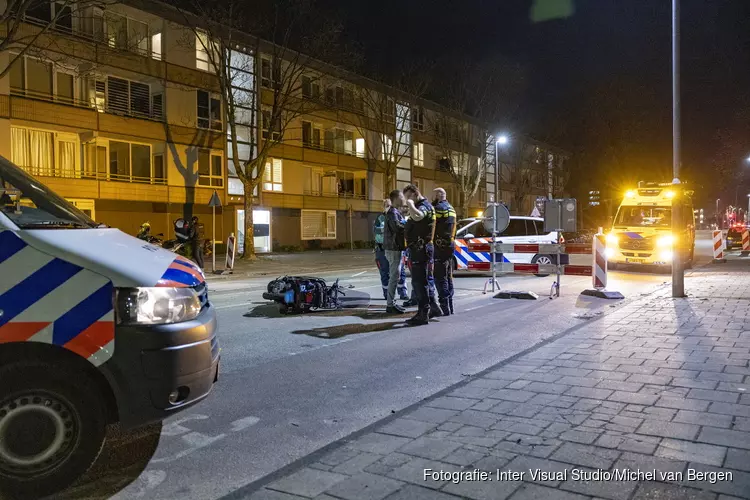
pixel 322 346
pixel 175 429
pixel 243 423
pixel 358 274
pixel 195 441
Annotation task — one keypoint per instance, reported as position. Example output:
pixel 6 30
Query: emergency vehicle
pixel 642 234
pixel 96 327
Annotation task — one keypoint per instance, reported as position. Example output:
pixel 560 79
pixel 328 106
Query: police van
pixel 96 327
pixel 520 230
pixel 642 233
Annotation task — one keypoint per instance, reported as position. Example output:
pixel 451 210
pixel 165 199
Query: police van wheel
pixel 52 428
pixel 542 259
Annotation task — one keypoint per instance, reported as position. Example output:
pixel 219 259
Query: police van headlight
pixel 665 241
pixel 156 305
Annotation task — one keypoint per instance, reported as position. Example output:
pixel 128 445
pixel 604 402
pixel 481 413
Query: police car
pixel 520 230
pixel 96 327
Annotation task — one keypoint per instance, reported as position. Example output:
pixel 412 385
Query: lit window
pixel 209 110
pixel 210 172
pixel 386 149
pixel 272 176
pixel 203 59
pixel 156 46
pixel 360 147
pixel 418 154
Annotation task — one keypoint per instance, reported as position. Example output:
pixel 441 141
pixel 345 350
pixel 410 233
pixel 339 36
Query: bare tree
pixel 270 97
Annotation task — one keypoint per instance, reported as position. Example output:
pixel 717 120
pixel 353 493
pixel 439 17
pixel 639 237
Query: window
pixel 157 106
pixel 310 88
pixel 389 110
pixel 359 146
pixel 33 150
pixel 417 118
pixel 386 148
pixel 159 171
pixel 128 98
pixel 92 22
pixel 418 154
pixel 271 126
pixel 272 175
pixel 117 30
pixel 203 59
pixel 516 227
pixel 209 110
pixel 95 165
pixel 209 169
pixel 63 16
pixel 128 162
pixel 270 73
pixel 311 135
pixel 65 87
pixel 156 46
pixel 351 184
pixel 318 224
pixel 38 77
pixel 17 72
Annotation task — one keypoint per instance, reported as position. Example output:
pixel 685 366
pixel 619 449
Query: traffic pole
pixel 678 274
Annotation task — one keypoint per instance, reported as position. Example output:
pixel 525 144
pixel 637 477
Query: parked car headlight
pixel 156 305
pixel 665 241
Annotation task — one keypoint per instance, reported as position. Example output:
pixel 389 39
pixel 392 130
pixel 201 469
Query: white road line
pixel 358 274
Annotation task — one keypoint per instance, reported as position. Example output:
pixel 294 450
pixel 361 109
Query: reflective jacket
pixel 420 232
pixel 445 229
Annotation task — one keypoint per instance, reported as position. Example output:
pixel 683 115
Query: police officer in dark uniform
pixel 419 232
pixel 445 233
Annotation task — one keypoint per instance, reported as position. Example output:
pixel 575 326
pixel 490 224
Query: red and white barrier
pixel 541 248
pixel 745 243
pixel 231 252
pixel 512 267
pixel 599 275
pixel 718 241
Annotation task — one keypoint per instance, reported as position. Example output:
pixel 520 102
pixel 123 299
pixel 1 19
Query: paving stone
pixel 513 395
pixel 450 426
pixel 526 464
pixel 433 449
pixel 683 403
pixel 339 455
pixel 451 403
pixel 633 397
pixel 714 395
pixel 406 427
pixel 428 414
pixel 641 370
pixel 721 377
pixel 703 418
pixel 630 442
pixel 677 373
pixel 657 413
pixel 738 486
pixel 619 385
pixel 537 492
pixel 649 379
pixel 589 392
pixel 307 482
pixel 725 437
pixel 540 377
pixel 609 375
pixel 737 459
pixel 412 492
pixel 414 472
pixel 471 392
pixel 320 466
pixel 524 428
pixel 579 381
pixel 579 436
pixel 694 383
pixel 650 490
pixel 477 418
pixel 615 490
pixel 691 452
pixel 388 463
pixel 265 494
pixel 483 490
pixel 589 456
pixel 364 486
pixel 730 409
pixel 630 460
pixel 357 464
pixel 464 457
pixel 381 444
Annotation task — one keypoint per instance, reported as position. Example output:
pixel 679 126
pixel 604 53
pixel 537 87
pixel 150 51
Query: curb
pixel 258 484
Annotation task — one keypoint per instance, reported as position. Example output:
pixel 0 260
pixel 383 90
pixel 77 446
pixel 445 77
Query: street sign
pixel 499 212
pixel 560 215
pixel 214 201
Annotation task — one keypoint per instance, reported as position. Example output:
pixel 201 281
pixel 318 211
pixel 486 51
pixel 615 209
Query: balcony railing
pixel 101 176
pixel 341 194
pixel 332 149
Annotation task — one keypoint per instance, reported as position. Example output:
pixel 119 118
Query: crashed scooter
pixel 303 294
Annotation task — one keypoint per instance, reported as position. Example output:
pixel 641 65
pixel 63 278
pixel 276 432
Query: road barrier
pixel 745 243
pixel 718 239
pixel 231 252
pixel 560 253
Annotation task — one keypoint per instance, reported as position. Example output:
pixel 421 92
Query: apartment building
pixel 118 110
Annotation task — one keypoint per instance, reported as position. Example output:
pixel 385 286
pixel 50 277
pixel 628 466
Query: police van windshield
pixel 644 216
pixel 31 205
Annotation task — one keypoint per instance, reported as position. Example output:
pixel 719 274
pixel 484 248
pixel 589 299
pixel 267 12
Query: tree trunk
pixel 249 238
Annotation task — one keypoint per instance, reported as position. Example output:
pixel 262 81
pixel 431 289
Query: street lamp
pixel 502 140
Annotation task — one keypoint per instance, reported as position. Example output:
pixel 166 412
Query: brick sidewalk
pixel 657 385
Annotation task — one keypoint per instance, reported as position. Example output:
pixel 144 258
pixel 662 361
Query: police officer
pixel 445 233
pixel 420 231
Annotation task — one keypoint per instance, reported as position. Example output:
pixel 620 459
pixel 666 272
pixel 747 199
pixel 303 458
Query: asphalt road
pixel 292 384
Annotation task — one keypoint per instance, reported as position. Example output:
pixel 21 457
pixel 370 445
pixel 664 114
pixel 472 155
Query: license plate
pixel 635 261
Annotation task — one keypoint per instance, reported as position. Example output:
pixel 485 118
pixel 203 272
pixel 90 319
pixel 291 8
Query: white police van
pixel 96 327
pixel 520 230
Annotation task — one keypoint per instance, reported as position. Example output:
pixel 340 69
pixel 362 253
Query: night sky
pixel 598 76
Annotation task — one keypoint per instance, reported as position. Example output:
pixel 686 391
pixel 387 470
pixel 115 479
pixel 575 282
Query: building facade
pixel 118 110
